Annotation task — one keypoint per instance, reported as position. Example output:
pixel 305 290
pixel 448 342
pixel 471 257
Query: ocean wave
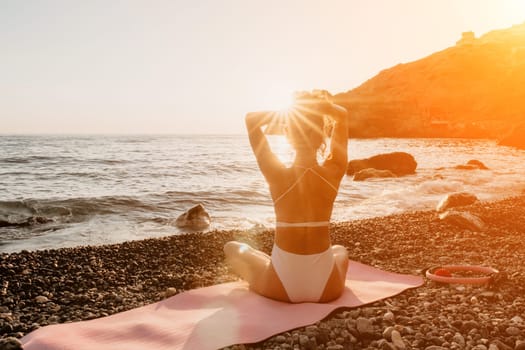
pixel 439 186
pixel 20 214
pixel 62 160
pixel 27 213
pixel 140 139
pixel 23 222
pixel 230 168
pixel 215 198
pixel 33 212
pixel 17 173
pixel 82 174
pixel 108 161
pixel 33 158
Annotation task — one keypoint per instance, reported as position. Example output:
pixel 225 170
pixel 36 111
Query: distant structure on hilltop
pixel 467 38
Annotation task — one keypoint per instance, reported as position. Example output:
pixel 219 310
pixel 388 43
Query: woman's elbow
pixel 252 118
pixel 249 120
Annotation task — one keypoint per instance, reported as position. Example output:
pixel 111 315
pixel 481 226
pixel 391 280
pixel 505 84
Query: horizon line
pixel 119 134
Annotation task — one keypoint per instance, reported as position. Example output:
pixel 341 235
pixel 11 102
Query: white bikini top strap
pixel 299 178
pixel 325 180
pixel 291 187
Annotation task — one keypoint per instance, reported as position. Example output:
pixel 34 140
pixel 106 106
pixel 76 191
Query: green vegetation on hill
pixel 474 89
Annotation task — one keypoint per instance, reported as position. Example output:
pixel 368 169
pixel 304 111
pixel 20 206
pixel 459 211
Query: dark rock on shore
pixel 195 218
pixel 457 199
pixel 399 163
pixel 463 220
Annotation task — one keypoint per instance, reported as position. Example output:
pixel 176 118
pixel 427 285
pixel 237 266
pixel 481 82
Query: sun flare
pixel 276 98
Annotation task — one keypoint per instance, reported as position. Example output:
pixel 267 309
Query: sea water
pixel 60 191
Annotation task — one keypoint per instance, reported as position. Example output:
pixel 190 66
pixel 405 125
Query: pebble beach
pixel 45 287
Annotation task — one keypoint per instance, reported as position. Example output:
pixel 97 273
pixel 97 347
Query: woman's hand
pixel 260 118
pixel 337 112
pixel 328 108
pixel 319 101
pixel 257 120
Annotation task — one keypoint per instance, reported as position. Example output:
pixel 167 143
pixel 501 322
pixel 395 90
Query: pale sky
pixel 197 66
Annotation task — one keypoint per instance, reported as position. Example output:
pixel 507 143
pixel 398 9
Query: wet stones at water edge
pixel 472 164
pixel 399 163
pixel 457 199
pixel 195 218
pixel 371 173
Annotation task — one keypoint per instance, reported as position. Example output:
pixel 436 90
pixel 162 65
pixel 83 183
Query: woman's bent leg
pixel 341 259
pixel 245 261
pixel 336 283
pixel 255 267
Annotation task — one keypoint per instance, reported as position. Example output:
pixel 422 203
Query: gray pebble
pixel 280 339
pixel 479 347
pixel 513 331
pixel 397 340
pixel 387 333
pixel 364 326
pixel 459 339
pixel 170 292
pixel 303 340
pixel 520 345
pixel 10 344
pixel 501 345
pixel 468 325
pixel 385 345
pixel 388 316
pixel 41 299
pixel 335 347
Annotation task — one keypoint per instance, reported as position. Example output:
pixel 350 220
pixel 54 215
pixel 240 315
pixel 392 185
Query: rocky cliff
pixel 473 89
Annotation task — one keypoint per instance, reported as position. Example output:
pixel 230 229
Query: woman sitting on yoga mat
pixel 304 265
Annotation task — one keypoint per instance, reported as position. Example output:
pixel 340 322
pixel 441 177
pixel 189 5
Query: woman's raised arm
pixel 266 159
pixel 338 158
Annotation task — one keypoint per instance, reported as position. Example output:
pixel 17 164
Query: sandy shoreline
pixel 71 284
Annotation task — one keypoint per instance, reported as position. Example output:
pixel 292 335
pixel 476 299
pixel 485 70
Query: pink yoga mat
pixel 214 317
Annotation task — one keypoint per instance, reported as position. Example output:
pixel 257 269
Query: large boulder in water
pixel 371 173
pixel 195 218
pixel 457 199
pixel 516 138
pixel 400 163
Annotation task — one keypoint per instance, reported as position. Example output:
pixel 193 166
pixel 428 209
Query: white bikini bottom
pixel 303 276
